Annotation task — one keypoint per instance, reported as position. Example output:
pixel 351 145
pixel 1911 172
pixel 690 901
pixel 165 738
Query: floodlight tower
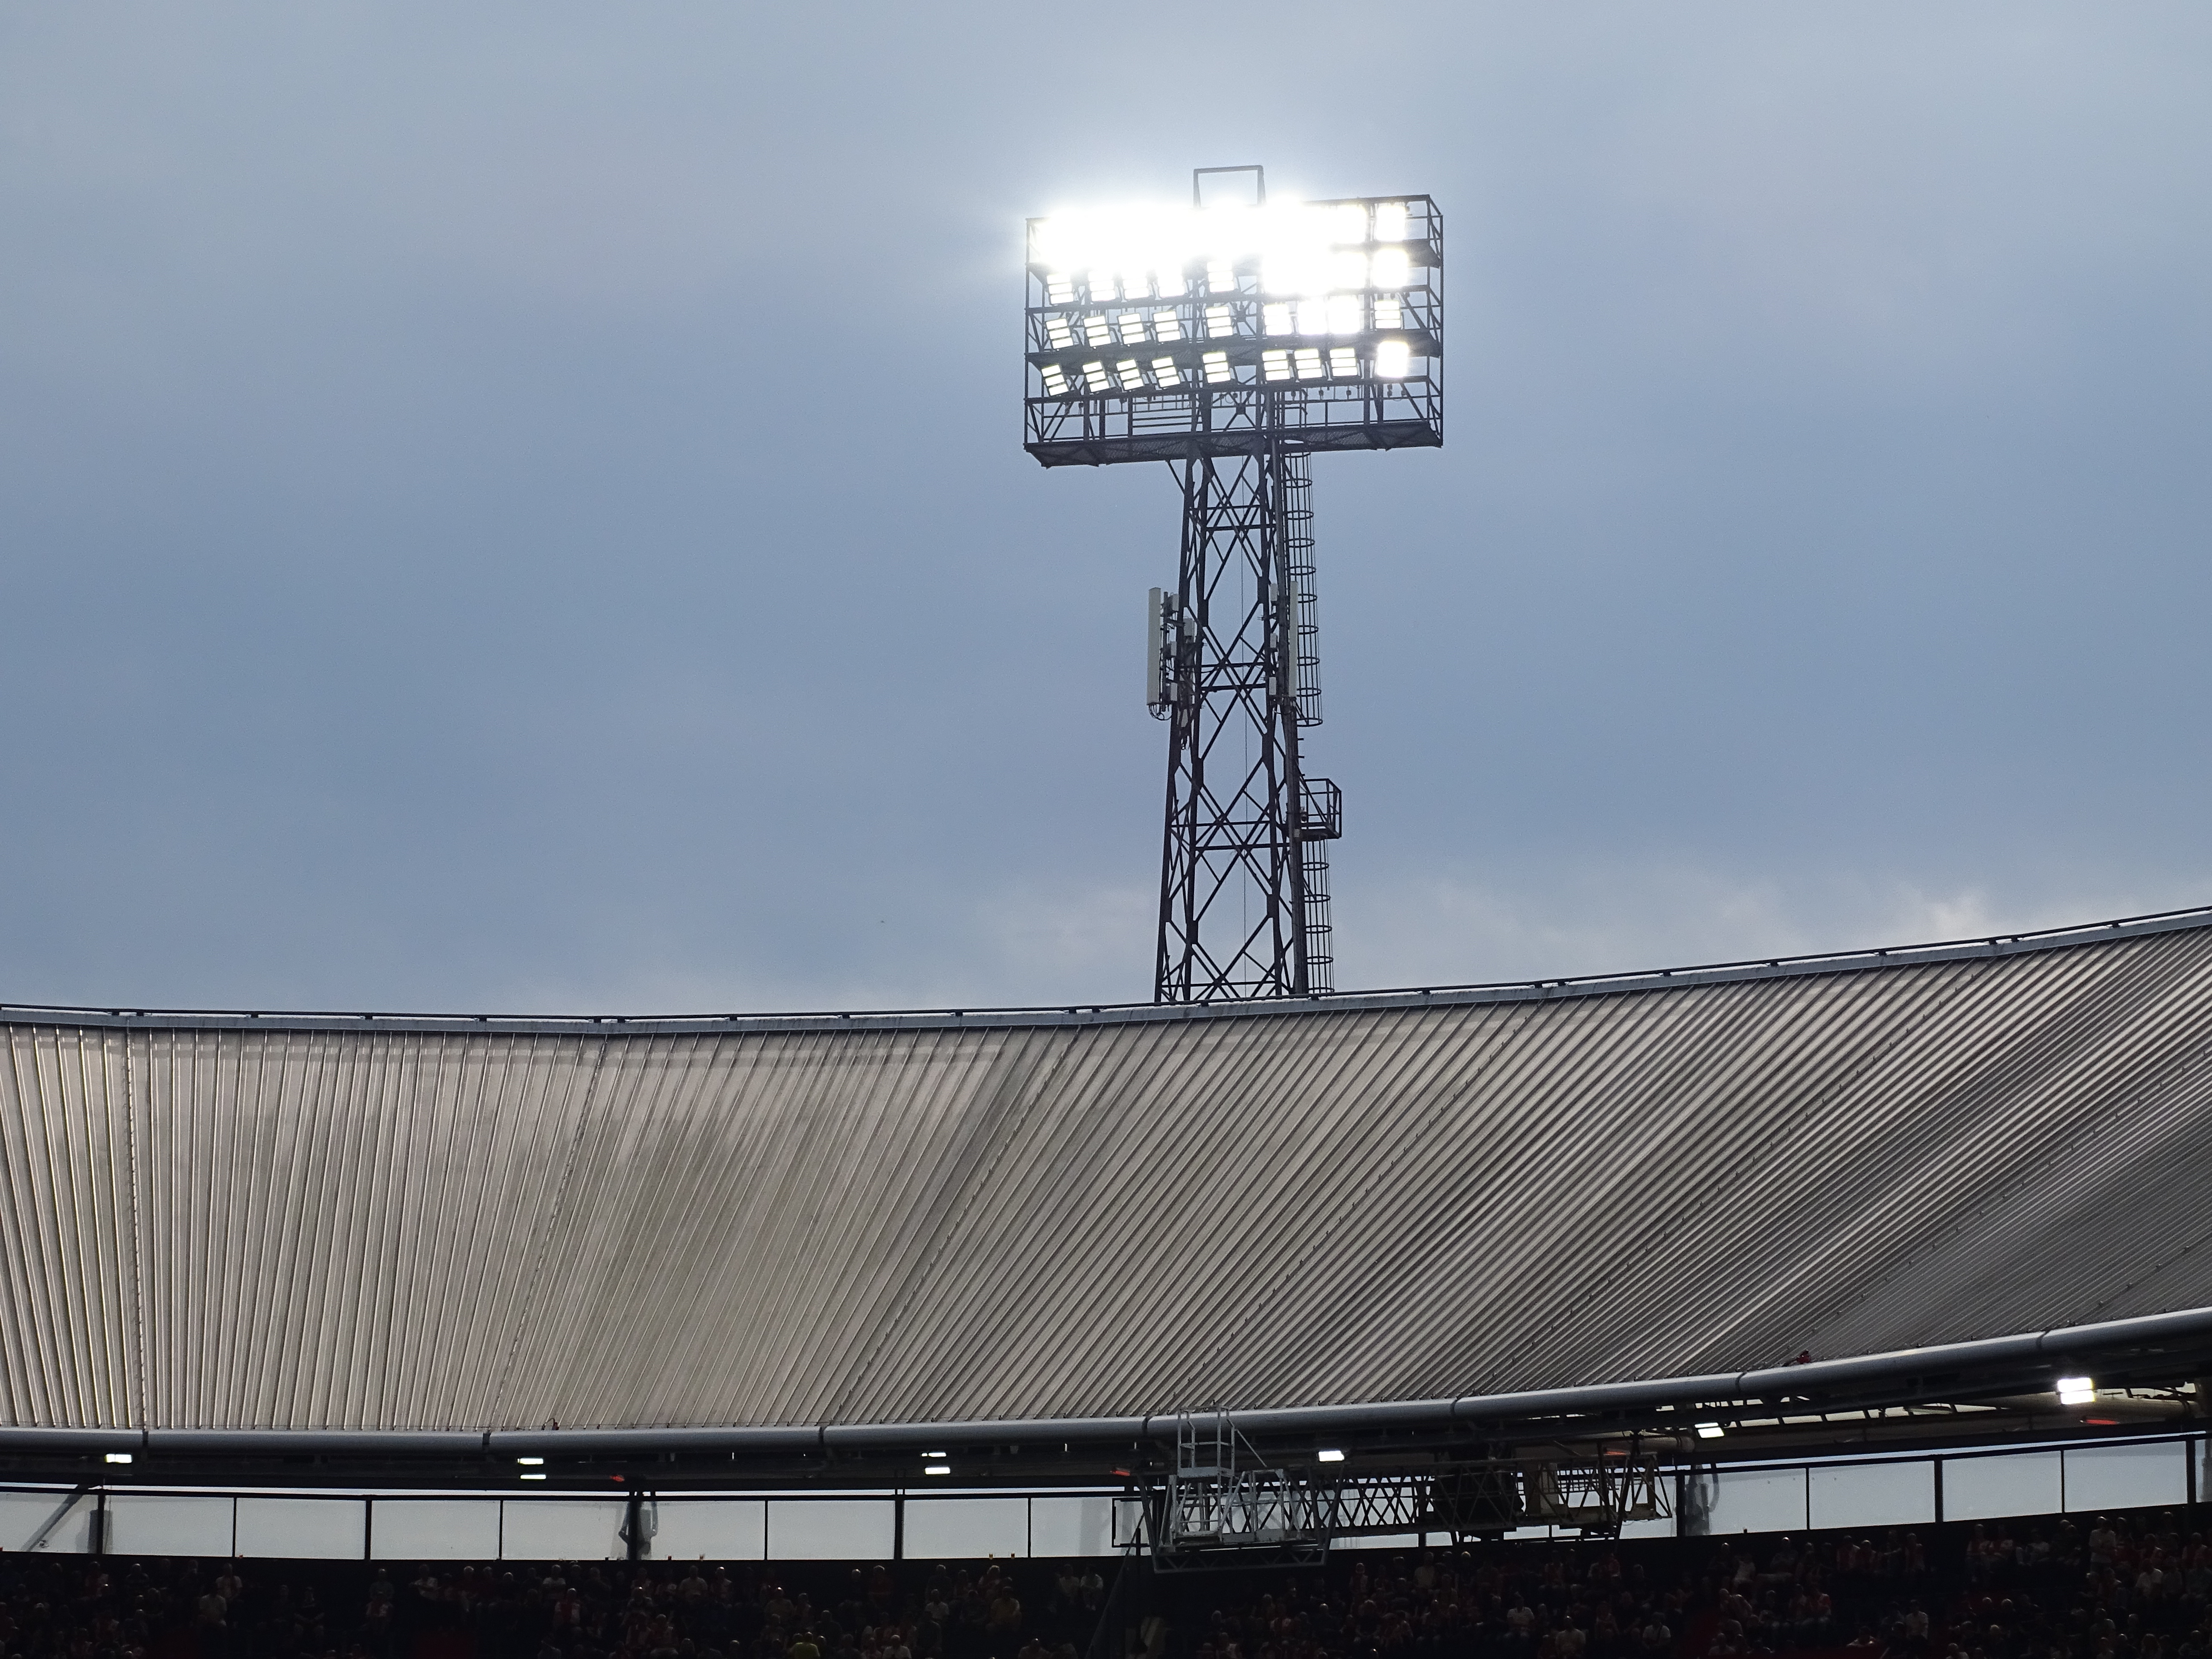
pixel 1233 341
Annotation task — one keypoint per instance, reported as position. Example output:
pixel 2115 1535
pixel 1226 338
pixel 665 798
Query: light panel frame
pixel 1180 347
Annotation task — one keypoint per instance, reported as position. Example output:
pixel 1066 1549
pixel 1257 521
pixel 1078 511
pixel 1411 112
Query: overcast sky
pixel 520 507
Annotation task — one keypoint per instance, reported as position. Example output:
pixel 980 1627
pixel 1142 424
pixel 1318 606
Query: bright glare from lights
pixel 1275 365
pixel 533 1474
pixel 1309 362
pixel 118 1457
pixel 2077 1391
pixel 1390 268
pixel 1343 361
pixel 1330 1455
pixel 1277 318
pixel 529 1463
pixel 1302 249
pixel 1710 1431
pixel 1217 368
pixel 1344 311
pixel 1163 370
pixel 1219 323
pixel 937 1468
pixel 1394 360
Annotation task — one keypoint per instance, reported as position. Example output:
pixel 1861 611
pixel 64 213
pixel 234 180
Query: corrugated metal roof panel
pixel 218 1225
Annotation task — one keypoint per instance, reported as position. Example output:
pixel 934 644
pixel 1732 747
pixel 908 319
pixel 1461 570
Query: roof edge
pixel 1539 990
pixel 1989 1364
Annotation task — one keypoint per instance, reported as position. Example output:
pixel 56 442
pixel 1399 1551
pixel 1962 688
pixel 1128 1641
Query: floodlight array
pixel 1156 331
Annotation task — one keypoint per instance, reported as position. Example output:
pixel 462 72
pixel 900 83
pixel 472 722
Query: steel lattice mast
pixel 1235 343
pixel 1243 891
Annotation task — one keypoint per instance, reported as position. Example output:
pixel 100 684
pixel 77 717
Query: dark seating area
pixel 2128 1586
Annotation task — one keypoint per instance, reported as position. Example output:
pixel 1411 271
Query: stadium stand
pixel 2127 1586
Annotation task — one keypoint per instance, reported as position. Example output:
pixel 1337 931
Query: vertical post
pixel 898 1528
pixel 1938 1491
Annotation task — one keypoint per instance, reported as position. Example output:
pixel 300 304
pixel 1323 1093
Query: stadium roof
pixel 299 1222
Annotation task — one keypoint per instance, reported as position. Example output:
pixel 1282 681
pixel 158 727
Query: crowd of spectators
pixel 2132 1586
pixel 129 1607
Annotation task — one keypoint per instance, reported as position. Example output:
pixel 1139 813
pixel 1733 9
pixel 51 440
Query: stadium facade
pixel 1389 1212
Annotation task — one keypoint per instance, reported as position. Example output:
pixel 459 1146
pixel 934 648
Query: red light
pixel 2102 1422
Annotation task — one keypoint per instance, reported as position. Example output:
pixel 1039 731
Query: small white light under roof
pixel 1132 324
pixel 1310 363
pixel 1163 371
pixel 529 1463
pixel 1216 364
pixel 1220 323
pixel 1275 365
pixel 1710 1431
pixel 1343 361
pixel 1389 311
pixel 1055 381
pixel 1060 289
pixel 1394 360
pixel 1220 277
pixel 1094 376
pixel 1389 268
pixel 1060 331
pixel 1096 333
pixel 1313 316
pixel 1344 313
pixel 1330 1455
pixel 937 1468
pixel 1133 378
pixel 1390 225
pixel 2077 1391
pixel 1277 318
pixel 533 1474
pixel 1166 326
pixel 118 1457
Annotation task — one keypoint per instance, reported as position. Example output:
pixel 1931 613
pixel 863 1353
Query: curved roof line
pixel 1953 1370
pixel 1538 990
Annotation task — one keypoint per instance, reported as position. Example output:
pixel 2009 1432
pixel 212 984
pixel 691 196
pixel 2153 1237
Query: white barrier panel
pixel 1392 1541
pixel 23 1513
pixel 1872 1495
pixel 830 1529
pixel 1066 1526
pixel 711 1530
pixel 1989 1488
pixel 947 1529
pixel 1660 1527
pixel 434 1529
pixel 2125 1477
pixel 1758 1500
pixel 145 1523
pixel 302 1529
pixel 563 1530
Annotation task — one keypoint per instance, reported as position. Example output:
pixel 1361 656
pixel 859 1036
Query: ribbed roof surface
pixel 214 1225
